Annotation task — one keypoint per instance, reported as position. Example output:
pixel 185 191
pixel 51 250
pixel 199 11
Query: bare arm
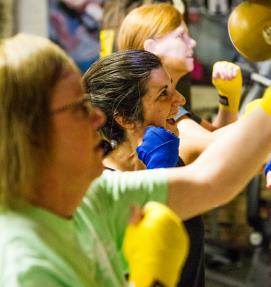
pixel 191 148
pixel 192 145
pixel 223 118
pixel 223 169
pixel 194 139
pixel 188 128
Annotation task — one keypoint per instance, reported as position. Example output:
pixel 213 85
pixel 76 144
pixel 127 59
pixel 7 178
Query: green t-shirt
pixel 39 248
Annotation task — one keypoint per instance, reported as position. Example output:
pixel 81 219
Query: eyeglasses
pixel 84 104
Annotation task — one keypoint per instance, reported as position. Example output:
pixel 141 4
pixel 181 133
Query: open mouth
pixel 190 56
pixel 171 121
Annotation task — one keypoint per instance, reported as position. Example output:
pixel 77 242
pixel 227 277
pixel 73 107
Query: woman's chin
pixel 189 67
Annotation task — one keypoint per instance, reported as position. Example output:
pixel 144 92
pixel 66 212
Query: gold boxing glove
pixel 156 247
pixel 227 79
pixel 266 101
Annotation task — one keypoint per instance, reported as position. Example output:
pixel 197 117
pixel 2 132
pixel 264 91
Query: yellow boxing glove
pixel 227 79
pixel 266 101
pixel 156 247
pixel 251 106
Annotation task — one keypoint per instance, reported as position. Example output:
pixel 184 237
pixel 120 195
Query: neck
pixel 174 70
pixel 124 157
pixel 61 197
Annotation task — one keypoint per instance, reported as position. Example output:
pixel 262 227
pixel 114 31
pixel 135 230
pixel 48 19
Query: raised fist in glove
pixel 156 247
pixel 159 148
pixel 227 79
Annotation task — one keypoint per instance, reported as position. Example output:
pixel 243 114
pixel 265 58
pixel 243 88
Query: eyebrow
pixel 165 86
pixel 162 88
pixel 182 30
pixel 71 105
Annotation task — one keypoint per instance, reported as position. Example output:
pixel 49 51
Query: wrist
pixel 226 103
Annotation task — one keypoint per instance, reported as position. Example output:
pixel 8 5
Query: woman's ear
pixel 149 45
pixel 124 123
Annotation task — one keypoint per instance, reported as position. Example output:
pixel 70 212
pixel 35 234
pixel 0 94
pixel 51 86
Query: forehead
pixel 180 29
pixel 159 78
pixel 68 89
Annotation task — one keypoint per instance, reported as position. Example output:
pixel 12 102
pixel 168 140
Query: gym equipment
pixel 249 27
pixel 259 77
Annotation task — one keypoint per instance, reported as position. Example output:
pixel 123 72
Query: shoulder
pixel 18 237
pixel 25 256
pixel 18 255
pixel 112 181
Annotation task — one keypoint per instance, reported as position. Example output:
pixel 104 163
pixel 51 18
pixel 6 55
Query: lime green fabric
pixel 39 248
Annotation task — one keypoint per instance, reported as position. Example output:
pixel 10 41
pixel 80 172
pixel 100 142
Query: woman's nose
pixel 97 118
pixel 192 42
pixel 180 98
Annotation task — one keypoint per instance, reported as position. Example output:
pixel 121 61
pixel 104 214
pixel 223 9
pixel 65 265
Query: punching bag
pixel 249 27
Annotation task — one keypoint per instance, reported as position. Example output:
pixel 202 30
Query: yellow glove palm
pixel 227 79
pixel 156 247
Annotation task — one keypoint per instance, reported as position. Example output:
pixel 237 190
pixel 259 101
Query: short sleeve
pixel 181 113
pixel 110 197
